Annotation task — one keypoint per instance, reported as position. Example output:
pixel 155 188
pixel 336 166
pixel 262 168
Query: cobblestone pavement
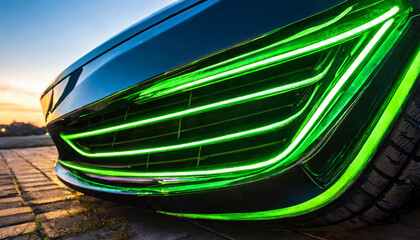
pixel 34 204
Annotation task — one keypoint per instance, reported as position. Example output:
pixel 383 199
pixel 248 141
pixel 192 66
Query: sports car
pixel 299 111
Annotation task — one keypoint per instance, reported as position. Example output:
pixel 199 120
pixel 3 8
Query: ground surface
pixel 34 204
pixel 25 141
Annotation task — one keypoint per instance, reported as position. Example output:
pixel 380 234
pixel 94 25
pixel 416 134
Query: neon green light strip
pixel 355 168
pixel 225 103
pixel 329 99
pixel 215 140
pixel 149 190
pixel 258 64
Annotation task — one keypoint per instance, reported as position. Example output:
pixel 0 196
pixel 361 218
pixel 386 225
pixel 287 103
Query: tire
pixel 386 186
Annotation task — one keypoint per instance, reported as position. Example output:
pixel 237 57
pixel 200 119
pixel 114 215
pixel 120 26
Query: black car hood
pixel 140 26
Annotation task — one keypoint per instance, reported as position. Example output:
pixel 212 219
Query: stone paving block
pixel 23 177
pixel 40 188
pixel 33 179
pixel 10 199
pixel 7 205
pixel 37 184
pixel 13 211
pixel 8 192
pixel 50 156
pixel 16 230
pixel 38 159
pixel 8 178
pixel 22 167
pixel 60 213
pixel 49 207
pixel 46 170
pixel 4 182
pixel 24 174
pixel 7 187
pixel 39 163
pixel 19 164
pixel 50 199
pixel 46 194
pixel 16 219
pixel 5 176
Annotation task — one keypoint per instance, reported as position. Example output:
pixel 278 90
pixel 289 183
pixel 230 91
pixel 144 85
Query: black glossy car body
pixel 236 110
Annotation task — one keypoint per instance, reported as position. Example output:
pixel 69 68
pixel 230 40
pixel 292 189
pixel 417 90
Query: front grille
pixel 260 126
pixel 238 107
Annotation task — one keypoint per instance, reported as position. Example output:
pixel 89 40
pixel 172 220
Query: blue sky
pixel 40 38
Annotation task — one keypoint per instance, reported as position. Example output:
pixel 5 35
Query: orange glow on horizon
pixel 16 104
pixel 34 118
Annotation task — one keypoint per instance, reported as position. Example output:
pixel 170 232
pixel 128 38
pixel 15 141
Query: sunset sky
pixel 40 38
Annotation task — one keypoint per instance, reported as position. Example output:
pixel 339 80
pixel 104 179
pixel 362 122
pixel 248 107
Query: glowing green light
pixel 227 137
pixel 152 190
pixel 281 158
pixel 331 97
pixel 225 103
pixel 353 171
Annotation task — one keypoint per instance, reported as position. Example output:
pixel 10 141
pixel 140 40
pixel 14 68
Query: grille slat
pixel 222 117
pixel 183 130
pixel 211 132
